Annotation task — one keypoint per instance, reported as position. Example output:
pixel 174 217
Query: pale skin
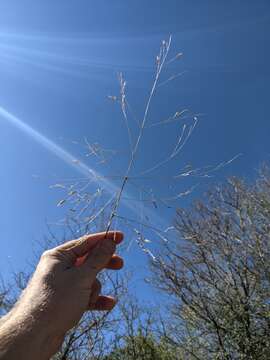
pixel 63 286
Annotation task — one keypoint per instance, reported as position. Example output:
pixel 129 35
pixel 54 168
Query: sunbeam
pixel 57 150
pixel 72 161
pixel 84 53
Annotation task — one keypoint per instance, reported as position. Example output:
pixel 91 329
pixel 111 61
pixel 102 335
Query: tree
pixel 217 273
pixel 143 348
pixel 139 336
pixel 4 301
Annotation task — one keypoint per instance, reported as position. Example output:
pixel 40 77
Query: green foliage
pixel 140 347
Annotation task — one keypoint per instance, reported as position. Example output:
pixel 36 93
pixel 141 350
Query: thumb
pixel 83 246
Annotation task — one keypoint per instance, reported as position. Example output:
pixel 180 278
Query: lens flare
pixel 57 150
pixel 80 166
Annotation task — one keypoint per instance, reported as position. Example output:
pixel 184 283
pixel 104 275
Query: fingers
pixel 95 291
pixel 99 258
pixel 84 245
pixel 100 302
pixel 103 303
pixel 115 263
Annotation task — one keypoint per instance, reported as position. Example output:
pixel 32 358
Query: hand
pixel 62 288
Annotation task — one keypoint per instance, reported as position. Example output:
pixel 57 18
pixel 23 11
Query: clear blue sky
pixel 58 63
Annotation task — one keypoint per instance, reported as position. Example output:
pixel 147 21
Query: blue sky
pixel 59 62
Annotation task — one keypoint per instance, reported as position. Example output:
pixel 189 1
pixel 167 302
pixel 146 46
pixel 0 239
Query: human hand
pixel 64 286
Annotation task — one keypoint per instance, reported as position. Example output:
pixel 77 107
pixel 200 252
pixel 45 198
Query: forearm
pixel 22 337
